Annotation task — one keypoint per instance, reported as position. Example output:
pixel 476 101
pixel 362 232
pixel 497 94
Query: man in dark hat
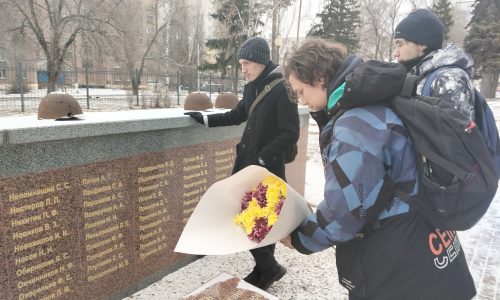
pixel 418 46
pixel 272 128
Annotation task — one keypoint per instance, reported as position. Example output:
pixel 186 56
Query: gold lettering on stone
pixel 35 268
pixel 41 289
pixel 195 183
pixel 149 188
pixel 44 240
pixel 90 247
pixel 152 177
pixel 224 152
pixel 32 193
pixel 98 265
pixel 102 232
pixel 148 216
pixel 36 279
pixel 30 232
pixel 27 220
pixel 100 254
pixel 97 190
pixel 27 207
pixel 98 213
pixel 100 222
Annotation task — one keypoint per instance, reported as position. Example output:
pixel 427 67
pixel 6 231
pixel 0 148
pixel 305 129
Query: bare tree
pixel 134 44
pixel 457 30
pixel 54 25
pixel 278 7
pixel 186 43
pixel 377 31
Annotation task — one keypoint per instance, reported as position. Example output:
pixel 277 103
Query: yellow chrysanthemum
pixel 276 189
pixel 273 217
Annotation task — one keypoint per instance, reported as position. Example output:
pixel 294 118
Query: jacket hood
pixel 371 82
pixel 350 63
pixel 276 72
pixel 269 73
pixel 449 56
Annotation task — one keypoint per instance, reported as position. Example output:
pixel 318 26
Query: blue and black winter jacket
pixel 361 143
pixel 358 150
pixel 364 144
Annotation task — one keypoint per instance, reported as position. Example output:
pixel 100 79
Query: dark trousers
pixel 264 258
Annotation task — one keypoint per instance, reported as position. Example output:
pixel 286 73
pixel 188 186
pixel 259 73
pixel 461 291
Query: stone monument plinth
pixel 93 208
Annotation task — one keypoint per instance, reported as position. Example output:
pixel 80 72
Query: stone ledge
pixel 27 129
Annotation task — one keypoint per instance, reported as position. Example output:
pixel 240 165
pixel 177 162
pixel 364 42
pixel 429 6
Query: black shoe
pixel 254 277
pixel 267 279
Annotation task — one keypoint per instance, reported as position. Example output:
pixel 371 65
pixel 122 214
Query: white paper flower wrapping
pixel 211 229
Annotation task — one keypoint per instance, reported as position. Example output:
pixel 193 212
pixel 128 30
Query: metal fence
pixel 105 89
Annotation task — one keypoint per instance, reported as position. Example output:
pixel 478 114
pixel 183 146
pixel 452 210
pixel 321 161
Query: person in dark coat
pixel 362 143
pixel 418 42
pixel 271 130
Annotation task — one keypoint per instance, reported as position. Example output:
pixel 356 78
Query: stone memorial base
pixel 93 209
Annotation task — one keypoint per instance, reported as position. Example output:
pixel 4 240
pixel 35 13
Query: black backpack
pixel 456 173
pixel 483 117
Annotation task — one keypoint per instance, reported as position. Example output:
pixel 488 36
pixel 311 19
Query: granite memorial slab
pixel 84 231
pixel 93 209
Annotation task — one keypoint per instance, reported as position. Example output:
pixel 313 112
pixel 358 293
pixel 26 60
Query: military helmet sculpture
pixel 58 106
pixel 226 100
pixel 197 101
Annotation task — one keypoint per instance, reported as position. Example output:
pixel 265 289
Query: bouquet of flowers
pixel 215 226
pixel 260 208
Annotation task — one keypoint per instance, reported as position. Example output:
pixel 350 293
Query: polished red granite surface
pixel 92 230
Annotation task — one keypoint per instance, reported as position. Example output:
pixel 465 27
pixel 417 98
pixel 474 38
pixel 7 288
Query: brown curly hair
pixel 315 59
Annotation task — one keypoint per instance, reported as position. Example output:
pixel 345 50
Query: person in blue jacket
pixel 398 256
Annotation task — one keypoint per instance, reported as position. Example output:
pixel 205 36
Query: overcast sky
pixel 310 8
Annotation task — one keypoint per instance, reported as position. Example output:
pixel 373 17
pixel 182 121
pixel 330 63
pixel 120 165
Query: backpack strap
pixel 409 86
pixel 263 93
pixel 386 193
pixel 426 89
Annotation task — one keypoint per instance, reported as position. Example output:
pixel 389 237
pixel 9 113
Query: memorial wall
pixel 92 209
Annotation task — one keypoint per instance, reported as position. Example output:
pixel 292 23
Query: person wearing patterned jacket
pixel 418 46
pixel 402 257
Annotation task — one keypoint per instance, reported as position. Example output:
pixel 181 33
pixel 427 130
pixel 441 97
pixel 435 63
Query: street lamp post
pixel 230 76
pixel 278 42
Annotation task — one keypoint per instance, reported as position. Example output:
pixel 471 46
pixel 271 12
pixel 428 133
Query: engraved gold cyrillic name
pixel 195 183
pixel 102 232
pixel 38 242
pixel 27 220
pixel 36 279
pixel 101 222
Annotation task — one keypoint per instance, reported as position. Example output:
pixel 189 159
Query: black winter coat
pixel 271 130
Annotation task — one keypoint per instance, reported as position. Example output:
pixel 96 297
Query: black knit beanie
pixel 255 49
pixel 422 27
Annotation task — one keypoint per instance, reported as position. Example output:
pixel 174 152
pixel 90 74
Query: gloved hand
pixel 198 116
